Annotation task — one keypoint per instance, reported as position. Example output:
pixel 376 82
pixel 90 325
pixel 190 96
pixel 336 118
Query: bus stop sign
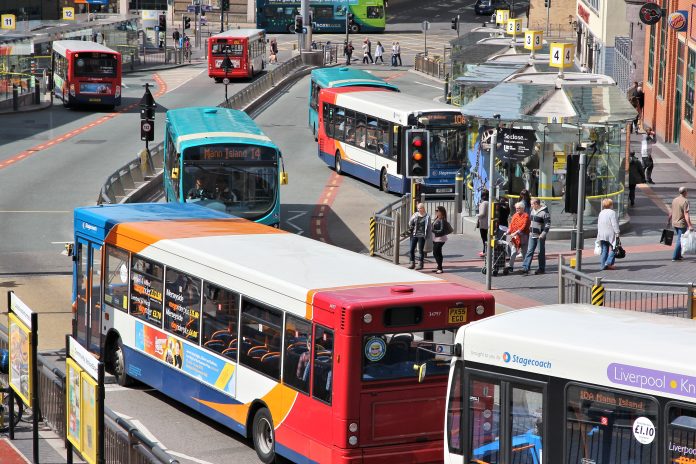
pixel 147 130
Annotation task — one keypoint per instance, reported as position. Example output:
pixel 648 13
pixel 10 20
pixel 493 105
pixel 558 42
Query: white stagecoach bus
pixel 573 384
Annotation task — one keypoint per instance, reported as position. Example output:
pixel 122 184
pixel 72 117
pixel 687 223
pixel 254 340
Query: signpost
pixel 425 25
pixel 84 403
pixel 23 330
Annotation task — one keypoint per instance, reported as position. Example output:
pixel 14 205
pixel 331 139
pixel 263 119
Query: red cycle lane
pixel 9 454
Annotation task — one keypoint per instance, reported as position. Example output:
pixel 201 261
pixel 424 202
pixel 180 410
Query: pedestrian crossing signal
pixel 225 5
pixel 187 22
pixel 298 24
pixel 454 23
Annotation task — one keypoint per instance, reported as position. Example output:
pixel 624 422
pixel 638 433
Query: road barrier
pixel 434 65
pixel 140 180
pixel 388 227
pixel 666 298
pixel 124 443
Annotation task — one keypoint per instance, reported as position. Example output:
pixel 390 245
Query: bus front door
pixel 87 328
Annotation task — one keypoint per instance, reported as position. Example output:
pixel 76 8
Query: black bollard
pixel 15 97
pixel 37 91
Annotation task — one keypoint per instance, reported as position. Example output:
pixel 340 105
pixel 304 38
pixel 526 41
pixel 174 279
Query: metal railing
pixel 260 86
pixel 124 443
pixel 665 298
pixel 433 65
pixel 388 226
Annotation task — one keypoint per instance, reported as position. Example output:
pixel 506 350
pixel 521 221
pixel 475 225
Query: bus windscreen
pixel 224 48
pixel 95 65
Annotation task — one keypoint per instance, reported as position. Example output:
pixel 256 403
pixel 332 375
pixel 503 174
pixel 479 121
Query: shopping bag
pixel 688 243
pixel 619 252
pixel 597 247
pixel 667 237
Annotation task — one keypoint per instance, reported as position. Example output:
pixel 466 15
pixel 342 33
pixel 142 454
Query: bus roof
pixel 604 346
pixel 211 125
pixel 344 77
pixel 62 46
pixel 250 255
pixel 391 106
pixel 238 34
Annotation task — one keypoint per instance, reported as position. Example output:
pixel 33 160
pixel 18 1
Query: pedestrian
pixel 419 229
pixel 607 234
pixel 379 51
pixel 632 96
pixel 641 103
pixel 680 219
pixel 526 200
pixel 160 34
pixel 398 53
pixel 482 220
pixel 365 60
pixel 175 36
pixel 646 147
pixel 539 226
pixel 393 54
pixel 369 49
pixel 274 46
pixel 635 176
pixel 441 229
pixel 348 51
pixel 519 229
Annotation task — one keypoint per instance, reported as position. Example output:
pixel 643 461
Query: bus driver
pixel 199 191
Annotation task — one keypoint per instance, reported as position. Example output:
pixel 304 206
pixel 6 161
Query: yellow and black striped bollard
pixel 598 295
pixel 373 227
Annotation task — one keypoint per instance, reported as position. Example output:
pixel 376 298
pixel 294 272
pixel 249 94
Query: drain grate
pixel 90 142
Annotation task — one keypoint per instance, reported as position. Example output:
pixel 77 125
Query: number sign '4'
pixel 561 55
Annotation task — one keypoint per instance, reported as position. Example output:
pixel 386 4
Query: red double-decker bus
pixel 86 73
pixel 246 49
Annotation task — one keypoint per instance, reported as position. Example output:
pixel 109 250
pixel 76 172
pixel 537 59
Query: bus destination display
pixel 229 153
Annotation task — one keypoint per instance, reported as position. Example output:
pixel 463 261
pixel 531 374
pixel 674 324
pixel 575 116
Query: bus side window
pixel 527 424
pixel 328 119
pixel 261 338
pixel 361 130
pixel 350 127
pixel 340 124
pixel 681 433
pixel 455 411
pixel 372 135
pixel 484 420
pixel 395 137
pixel 323 364
pixel 297 353
pixel 314 97
pixel 116 278
pixel 220 316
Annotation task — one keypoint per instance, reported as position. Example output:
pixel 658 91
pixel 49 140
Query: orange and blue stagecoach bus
pixel 306 348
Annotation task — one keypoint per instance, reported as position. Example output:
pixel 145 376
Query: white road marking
pixel 184 82
pixel 429 85
pixel 300 231
pixel 152 438
pixel 188 458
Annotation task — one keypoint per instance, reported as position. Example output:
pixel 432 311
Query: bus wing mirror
pixel 70 249
pixel 420 369
pixel 175 173
pixel 283 178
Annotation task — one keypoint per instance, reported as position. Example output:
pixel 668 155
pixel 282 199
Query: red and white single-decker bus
pixel 246 49
pixel 86 73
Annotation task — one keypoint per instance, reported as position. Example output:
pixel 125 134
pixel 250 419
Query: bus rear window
pixel 392 355
pixel 225 48
pixel 95 65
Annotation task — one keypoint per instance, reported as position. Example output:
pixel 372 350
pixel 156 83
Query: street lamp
pixel 226 65
pixel 147 120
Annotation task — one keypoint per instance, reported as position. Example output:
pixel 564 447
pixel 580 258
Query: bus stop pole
pixel 491 222
pixel 579 239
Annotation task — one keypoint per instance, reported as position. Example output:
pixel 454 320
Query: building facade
pixel 597 29
pixel 669 75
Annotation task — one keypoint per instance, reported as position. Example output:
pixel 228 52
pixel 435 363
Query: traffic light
pixel 187 22
pixel 225 5
pixel 454 23
pixel 162 22
pixel 351 19
pixel 298 24
pixel 417 153
pixel 547 3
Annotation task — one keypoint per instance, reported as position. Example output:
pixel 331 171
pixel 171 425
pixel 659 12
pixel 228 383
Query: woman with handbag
pixel 441 229
pixel 607 234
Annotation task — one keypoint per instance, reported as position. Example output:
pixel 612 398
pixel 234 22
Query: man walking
pixel 348 51
pixel 398 53
pixel 419 230
pixel 369 49
pixel 681 220
pixel 646 147
pixel 175 36
pixel 635 176
pixel 538 230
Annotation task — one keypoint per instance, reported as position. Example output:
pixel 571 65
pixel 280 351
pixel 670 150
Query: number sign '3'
pixel 533 40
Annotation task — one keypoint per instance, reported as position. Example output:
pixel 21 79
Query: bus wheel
pixel 337 164
pixel 354 28
pixel 118 363
pixel 291 28
pixel 264 436
pixel 384 181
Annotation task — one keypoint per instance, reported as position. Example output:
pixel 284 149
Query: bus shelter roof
pixel 536 103
pixel 487 75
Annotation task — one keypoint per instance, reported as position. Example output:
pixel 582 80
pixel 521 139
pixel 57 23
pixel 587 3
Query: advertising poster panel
pixel 20 359
pixel 72 402
pixel 89 418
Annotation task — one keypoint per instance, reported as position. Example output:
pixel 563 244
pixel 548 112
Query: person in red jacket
pixel 519 228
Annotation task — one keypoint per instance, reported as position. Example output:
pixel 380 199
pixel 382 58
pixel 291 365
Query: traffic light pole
pixel 579 239
pixel 491 232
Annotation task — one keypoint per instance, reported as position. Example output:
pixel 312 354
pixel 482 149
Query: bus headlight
pixel 480 310
pixel 353 427
pixel 352 440
pixel 118 91
pixel 72 90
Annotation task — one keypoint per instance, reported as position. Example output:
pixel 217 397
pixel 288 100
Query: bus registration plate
pixel 457 315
